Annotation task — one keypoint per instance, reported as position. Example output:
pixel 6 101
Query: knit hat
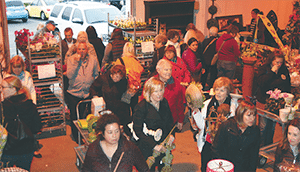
pixel 171 48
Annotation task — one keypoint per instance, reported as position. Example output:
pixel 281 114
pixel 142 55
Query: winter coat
pixel 269 80
pixel 28 114
pixel 191 61
pixel 96 42
pixel 285 157
pixel 65 48
pixel 239 148
pixel 180 71
pixel 96 159
pixel 208 55
pixel 158 54
pixel 144 112
pixel 200 116
pixel 230 50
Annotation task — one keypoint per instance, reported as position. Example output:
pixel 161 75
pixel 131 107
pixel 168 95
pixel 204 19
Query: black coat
pixel 239 148
pixel 208 55
pixel 28 114
pixel 97 43
pixel 65 48
pixel 144 112
pixel 269 80
pixel 96 159
pixel 285 157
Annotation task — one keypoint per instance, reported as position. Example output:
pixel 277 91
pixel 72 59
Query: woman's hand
pixel 171 140
pixel 160 148
pixel 275 68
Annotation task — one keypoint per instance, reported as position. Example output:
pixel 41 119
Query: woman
pixel 222 88
pixel 153 111
pixel 114 48
pixel 179 70
pixel 111 86
pixel 190 59
pixel 134 71
pixel 96 42
pixel 111 151
pixel 287 152
pixel 238 139
pixel 273 74
pixel 192 31
pixel 17 68
pixel 81 37
pixel 17 102
pixel 257 27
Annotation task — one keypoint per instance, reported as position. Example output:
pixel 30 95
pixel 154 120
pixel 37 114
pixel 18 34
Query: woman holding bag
pixel 17 102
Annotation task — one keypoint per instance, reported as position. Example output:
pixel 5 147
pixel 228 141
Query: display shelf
pixel 50 101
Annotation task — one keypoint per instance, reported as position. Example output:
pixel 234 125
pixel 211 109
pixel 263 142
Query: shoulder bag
pixel 216 56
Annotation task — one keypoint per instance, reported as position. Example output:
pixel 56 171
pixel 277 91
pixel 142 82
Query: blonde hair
pixel 17 84
pixel 16 61
pixel 128 49
pixel 150 86
pixel 223 81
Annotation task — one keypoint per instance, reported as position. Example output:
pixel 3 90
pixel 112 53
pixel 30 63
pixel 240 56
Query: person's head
pixel 233 30
pixel 276 58
pixel 91 31
pixel 291 135
pixel 82 49
pixel 170 52
pixel 222 88
pixel 128 49
pixel 254 13
pixel 193 44
pixel 164 69
pixel 190 26
pixel 245 114
pixel 173 36
pixel 117 72
pixel 213 31
pixel 194 96
pixel 82 37
pixel 160 40
pixel 68 34
pixel 153 90
pixel 11 86
pixel 50 25
pixel 117 34
pixel 16 65
pixel 108 128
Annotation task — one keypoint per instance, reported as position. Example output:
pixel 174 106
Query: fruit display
pixel 140 39
pixel 128 23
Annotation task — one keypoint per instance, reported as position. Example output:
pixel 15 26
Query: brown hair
pixel 232 29
pixel 190 26
pixel 118 69
pixel 161 39
pixel 276 54
pixel 117 34
pixel 242 109
pixel 223 81
pixel 172 33
pixel 16 83
pixel 284 144
pixel 68 29
pixel 16 61
pixel 150 86
pixel 172 49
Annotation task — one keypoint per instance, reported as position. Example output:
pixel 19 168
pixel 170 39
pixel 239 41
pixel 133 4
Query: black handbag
pixel 18 133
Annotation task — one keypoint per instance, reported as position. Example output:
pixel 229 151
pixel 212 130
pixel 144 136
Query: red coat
pixel 179 71
pixel 175 95
pixel 230 50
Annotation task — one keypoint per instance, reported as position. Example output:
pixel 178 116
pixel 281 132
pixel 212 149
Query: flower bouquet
pixel 275 101
pixel 22 38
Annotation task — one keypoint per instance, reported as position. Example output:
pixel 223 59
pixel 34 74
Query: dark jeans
pixel 22 161
pixel 72 102
pixel 213 76
pixel 205 155
pixel 226 68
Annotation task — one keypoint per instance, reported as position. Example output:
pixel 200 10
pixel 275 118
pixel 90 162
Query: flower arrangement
pixel 22 38
pixel 275 101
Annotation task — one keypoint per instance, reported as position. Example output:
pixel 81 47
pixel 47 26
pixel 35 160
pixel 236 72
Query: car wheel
pixel 24 20
pixel 43 16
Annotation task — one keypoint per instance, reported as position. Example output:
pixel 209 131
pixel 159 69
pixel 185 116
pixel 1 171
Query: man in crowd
pixel 82 70
pixel 173 37
pixel 159 47
pixel 50 27
pixel 174 92
pixel 67 42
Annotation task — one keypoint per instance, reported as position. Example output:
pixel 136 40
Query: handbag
pixel 216 56
pixel 18 133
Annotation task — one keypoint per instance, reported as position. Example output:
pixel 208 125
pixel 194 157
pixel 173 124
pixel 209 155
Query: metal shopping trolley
pixel 268 152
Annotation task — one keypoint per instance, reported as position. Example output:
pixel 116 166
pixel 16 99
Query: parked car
pixel 41 8
pixel 15 9
pixel 80 14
